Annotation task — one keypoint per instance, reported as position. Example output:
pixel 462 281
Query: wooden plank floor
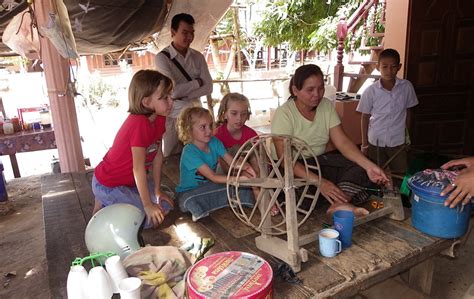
pixel 381 248
pixel 64 223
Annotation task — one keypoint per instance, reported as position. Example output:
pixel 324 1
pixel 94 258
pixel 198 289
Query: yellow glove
pixel 152 278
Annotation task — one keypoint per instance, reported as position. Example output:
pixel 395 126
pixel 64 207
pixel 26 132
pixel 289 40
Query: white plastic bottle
pixel 8 127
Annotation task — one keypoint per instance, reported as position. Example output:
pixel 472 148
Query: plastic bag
pixel 59 32
pixel 24 42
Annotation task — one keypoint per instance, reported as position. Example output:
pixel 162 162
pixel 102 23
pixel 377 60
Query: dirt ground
pixel 22 248
pixel 22 244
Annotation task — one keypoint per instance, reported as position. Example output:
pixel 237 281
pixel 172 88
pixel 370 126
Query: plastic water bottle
pixel 3 187
pixel 8 127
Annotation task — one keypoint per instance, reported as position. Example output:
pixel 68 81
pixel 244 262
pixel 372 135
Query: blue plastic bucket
pixel 429 215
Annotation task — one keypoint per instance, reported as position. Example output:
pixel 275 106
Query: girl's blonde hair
pixel 224 106
pixel 186 120
pixel 143 84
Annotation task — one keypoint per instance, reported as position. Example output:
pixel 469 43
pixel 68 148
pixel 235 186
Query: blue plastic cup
pixel 329 245
pixel 343 223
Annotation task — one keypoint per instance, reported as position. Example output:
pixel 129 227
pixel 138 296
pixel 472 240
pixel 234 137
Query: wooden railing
pixel 350 26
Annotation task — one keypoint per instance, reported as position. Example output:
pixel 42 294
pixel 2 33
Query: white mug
pixel 130 288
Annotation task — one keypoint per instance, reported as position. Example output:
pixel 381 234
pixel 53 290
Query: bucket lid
pixel 231 274
pixel 432 181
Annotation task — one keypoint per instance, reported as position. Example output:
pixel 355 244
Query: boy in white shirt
pixel 385 108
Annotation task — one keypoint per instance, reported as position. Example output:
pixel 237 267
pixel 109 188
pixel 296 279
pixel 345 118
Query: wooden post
pixel 216 59
pixel 420 277
pixel 341 34
pixel 235 16
pixel 63 109
pixel 265 200
pixel 291 215
pixel 15 168
pixel 269 58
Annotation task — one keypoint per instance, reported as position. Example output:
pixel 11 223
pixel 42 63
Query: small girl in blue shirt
pixel 201 190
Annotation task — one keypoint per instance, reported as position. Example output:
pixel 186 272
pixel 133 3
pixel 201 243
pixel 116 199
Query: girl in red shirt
pixel 121 177
pixel 234 111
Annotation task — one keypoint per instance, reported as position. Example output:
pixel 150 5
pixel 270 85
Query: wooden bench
pixel 381 249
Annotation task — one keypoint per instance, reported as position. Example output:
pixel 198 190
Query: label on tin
pixel 231 274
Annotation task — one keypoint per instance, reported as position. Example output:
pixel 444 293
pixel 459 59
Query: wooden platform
pixel 381 249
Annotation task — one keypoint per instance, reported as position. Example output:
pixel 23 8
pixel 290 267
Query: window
pixel 111 60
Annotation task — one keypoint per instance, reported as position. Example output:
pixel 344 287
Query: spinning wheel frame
pixel 272 181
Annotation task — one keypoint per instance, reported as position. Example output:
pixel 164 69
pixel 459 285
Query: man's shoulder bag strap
pixel 178 65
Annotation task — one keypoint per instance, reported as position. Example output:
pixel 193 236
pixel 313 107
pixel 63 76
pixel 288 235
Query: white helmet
pixel 115 228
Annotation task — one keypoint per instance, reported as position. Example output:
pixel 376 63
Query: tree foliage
pixel 303 24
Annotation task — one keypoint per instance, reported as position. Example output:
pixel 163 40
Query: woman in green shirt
pixel 312 118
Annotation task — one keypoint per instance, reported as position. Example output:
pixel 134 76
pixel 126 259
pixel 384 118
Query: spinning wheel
pixel 278 190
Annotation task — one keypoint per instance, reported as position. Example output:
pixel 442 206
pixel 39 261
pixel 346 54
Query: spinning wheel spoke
pixel 304 212
pixel 296 156
pixel 275 166
pixel 276 169
pixel 313 167
pixel 302 196
pixel 258 202
pixel 272 201
pixel 303 182
pixel 261 197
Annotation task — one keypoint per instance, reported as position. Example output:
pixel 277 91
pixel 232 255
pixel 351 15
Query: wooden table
pixel 22 142
pixel 381 249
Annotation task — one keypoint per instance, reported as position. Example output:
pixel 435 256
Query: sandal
pixel 274 211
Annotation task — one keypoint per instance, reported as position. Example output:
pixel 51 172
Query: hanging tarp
pixel 102 26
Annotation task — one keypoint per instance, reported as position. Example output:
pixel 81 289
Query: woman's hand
pixel 154 214
pixel 378 176
pixel 465 162
pixel 462 189
pixel 332 193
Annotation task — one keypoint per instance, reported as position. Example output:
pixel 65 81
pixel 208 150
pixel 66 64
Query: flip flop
pixel 274 211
